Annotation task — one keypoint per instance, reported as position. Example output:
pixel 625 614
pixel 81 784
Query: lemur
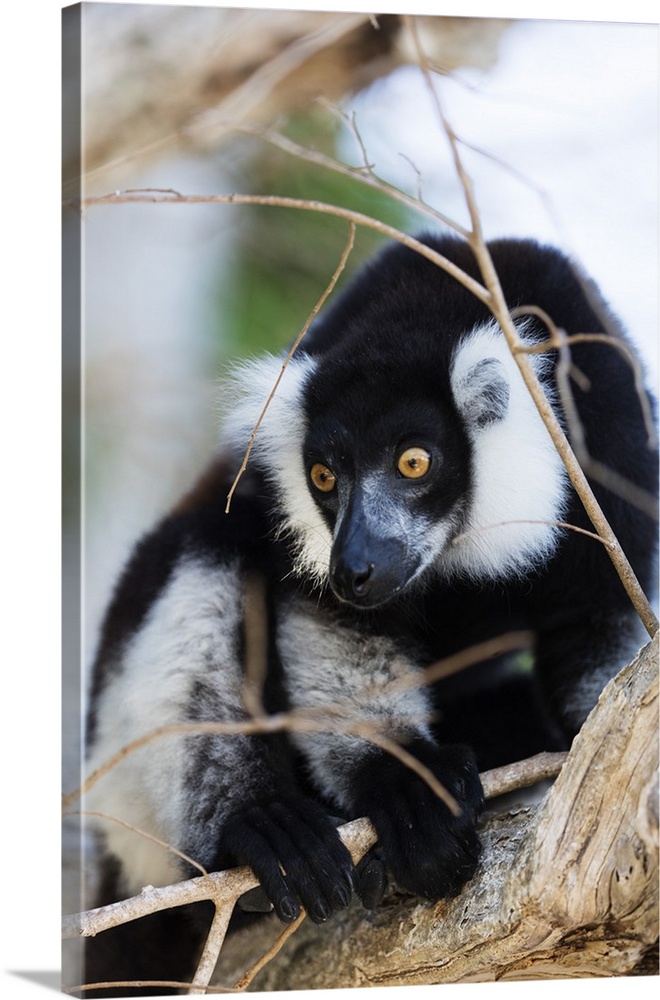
pixel 403 501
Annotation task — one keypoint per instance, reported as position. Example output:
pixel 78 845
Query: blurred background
pixel 559 122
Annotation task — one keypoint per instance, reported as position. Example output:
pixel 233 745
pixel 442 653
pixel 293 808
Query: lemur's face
pixel 391 481
pixel 388 464
pixel 414 469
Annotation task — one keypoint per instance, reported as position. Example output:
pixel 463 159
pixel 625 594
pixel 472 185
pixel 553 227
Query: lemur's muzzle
pixel 367 567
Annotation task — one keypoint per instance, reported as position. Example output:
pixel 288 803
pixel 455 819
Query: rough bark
pixel 568 888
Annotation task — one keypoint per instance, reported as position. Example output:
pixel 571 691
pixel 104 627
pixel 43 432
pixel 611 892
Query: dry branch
pixel 560 341
pixel 163 79
pixel 226 887
pixel 501 312
pixel 136 196
pixel 336 717
pixel 364 174
pixel 294 347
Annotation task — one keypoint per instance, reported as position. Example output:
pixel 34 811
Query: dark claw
pixel 288 910
pixel 296 853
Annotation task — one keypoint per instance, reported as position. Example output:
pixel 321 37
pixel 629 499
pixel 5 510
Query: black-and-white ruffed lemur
pixel 401 504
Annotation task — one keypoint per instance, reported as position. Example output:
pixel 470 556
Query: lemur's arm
pixel 429 851
pixel 222 799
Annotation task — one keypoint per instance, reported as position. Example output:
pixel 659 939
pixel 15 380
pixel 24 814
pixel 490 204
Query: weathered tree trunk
pixel 568 888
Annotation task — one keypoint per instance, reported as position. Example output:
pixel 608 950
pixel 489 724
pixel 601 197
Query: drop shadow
pixel 49 980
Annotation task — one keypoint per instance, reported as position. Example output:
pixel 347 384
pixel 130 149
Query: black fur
pixel 381 362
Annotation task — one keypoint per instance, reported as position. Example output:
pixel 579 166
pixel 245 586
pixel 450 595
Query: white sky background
pixel 610 209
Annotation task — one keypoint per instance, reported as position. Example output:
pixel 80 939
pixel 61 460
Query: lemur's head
pixel 402 445
pixel 387 464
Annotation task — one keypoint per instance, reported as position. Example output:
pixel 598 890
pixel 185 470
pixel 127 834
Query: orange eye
pixel 413 463
pixel 323 478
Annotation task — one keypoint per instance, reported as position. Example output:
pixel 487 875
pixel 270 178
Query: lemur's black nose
pixel 349 582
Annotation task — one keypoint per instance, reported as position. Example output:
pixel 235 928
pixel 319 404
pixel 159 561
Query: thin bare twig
pixel 142 833
pixel 255 616
pixel 500 310
pixel 421 770
pixel 242 984
pixel 474 235
pixel 480 652
pixel 364 174
pixel 133 984
pixel 294 347
pixel 575 472
pixel 147 196
pixel 522 773
pixel 557 524
pixel 560 341
pixel 211 952
pixel 592 296
pixel 418 174
pixel 328 717
pixel 350 121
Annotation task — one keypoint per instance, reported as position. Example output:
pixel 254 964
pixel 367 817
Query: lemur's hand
pixel 294 849
pixel 428 850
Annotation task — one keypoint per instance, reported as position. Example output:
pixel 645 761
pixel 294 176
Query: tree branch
pixel 133 196
pixel 502 314
pixel 292 350
pixel 566 888
pixel 225 887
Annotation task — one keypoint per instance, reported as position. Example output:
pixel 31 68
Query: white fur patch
pixel 327 664
pixel 519 481
pixel 278 449
pixel 190 632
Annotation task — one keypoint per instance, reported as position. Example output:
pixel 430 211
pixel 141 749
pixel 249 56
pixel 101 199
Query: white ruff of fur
pixel 520 484
pixel 278 449
pixel 365 674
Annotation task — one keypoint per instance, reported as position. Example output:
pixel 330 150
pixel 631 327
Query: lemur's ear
pixel 482 392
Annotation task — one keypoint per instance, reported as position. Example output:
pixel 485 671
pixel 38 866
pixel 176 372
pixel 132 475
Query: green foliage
pixel 282 260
